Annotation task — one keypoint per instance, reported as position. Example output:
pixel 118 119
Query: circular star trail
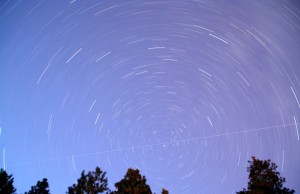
pixel 186 91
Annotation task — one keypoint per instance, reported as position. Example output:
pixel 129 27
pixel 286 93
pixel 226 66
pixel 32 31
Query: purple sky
pixel 186 91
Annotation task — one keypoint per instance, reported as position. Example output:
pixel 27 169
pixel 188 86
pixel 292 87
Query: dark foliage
pixel 164 191
pixel 91 183
pixel 6 183
pixel 132 183
pixel 264 179
pixel 42 187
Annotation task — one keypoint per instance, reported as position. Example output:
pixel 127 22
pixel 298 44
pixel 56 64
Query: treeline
pixel 92 182
pixel 263 179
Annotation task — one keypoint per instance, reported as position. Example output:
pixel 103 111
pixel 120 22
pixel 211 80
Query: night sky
pixel 185 90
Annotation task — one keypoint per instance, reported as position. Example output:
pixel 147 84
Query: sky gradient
pixel 186 91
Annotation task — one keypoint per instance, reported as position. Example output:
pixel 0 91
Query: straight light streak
pixel 187 140
pixel 157 47
pixel 164 144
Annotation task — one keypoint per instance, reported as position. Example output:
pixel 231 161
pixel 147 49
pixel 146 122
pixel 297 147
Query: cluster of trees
pixel 96 182
pixel 92 182
pixel 263 179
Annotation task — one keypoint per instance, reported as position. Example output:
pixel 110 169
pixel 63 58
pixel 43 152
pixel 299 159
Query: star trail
pixel 185 90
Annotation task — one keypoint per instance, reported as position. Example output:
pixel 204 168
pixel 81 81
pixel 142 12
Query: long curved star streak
pixel 186 91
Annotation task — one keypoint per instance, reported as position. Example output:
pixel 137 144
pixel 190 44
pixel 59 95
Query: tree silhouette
pixel 132 183
pixel 164 191
pixel 264 179
pixel 91 183
pixel 42 187
pixel 6 183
